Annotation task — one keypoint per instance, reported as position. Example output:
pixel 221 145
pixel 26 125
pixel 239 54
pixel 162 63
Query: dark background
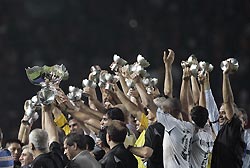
pixel 81 33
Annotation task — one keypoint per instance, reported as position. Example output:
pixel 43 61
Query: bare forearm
pixel 184 95
pixel 195 90
pixel 50 126
pixel 202 101
pixel 123 84
pixel 98 105
pixel 130 106
pixel 143 152
pixel 227 96
pixel 168 81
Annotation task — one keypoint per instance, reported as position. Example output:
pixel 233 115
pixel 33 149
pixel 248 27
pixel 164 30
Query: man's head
pixel 38 141
pixel 169 105
pixel 75 126
pixel 15 147
pixel 26 156
pixel 199 115
pixel 116 132
pixel 222 116
pixel 111 114
pixel 90 142
pixel 73 144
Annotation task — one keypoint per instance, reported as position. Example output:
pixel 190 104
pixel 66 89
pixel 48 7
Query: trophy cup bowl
pixel 184 64
pixel 88 83
pixel 95 69
pixel 35 75
pixel 142 61
pixel 145 81
pixel 48 77
pixel 154 81
pixel 119 60
pixel 74 93
pixel 205 67
pixel 210 68
pixel 224 65
pixel 114 66
pixel 108 77
pixel 150 82
pixel 234 65
pixel 192 60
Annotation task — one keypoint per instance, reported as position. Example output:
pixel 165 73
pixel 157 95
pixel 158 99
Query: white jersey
pixel 176 142
pixel 246 157
pixel 202 145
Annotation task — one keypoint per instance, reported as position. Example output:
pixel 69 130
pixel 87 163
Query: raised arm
pixel 23 133
pixel 60 120
pixel 185 94
pixel 213 112
pixel 130 106
pixel 147 100
pixel 227 94
pixel 123 82
pixel 195 90
pixel 67 106
pixel 202 99
pixel 168 82
pixel 27 121
pixel 50 125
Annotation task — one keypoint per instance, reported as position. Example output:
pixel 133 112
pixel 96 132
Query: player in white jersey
pixel 185 144
pixel 177 140
pixel 246 157
pixel 202 142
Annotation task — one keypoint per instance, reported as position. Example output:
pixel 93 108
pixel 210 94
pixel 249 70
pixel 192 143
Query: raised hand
pixel 168 59
pixel 186 74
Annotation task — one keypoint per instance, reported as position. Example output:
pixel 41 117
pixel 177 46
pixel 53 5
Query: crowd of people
pixel 132 125
pixel 82 33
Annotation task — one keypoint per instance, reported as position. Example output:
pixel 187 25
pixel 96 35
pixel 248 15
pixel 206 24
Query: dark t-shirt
pixel 153 139
pixel 53 159
pixel 119 157
pixel 229 146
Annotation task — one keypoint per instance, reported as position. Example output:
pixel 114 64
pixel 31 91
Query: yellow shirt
pixel 62 122
pixel 139 143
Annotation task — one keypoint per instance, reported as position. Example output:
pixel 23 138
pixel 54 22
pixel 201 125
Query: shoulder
pixel 107 160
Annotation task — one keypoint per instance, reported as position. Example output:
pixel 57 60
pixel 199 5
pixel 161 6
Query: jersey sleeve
pixel 166 119
pixel 213 112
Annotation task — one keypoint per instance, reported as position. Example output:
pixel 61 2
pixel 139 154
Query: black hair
pixel 90 142
pixel 79 139
pixel 199 115
pixel 115 114
pixel 10 141
pixel 117 131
